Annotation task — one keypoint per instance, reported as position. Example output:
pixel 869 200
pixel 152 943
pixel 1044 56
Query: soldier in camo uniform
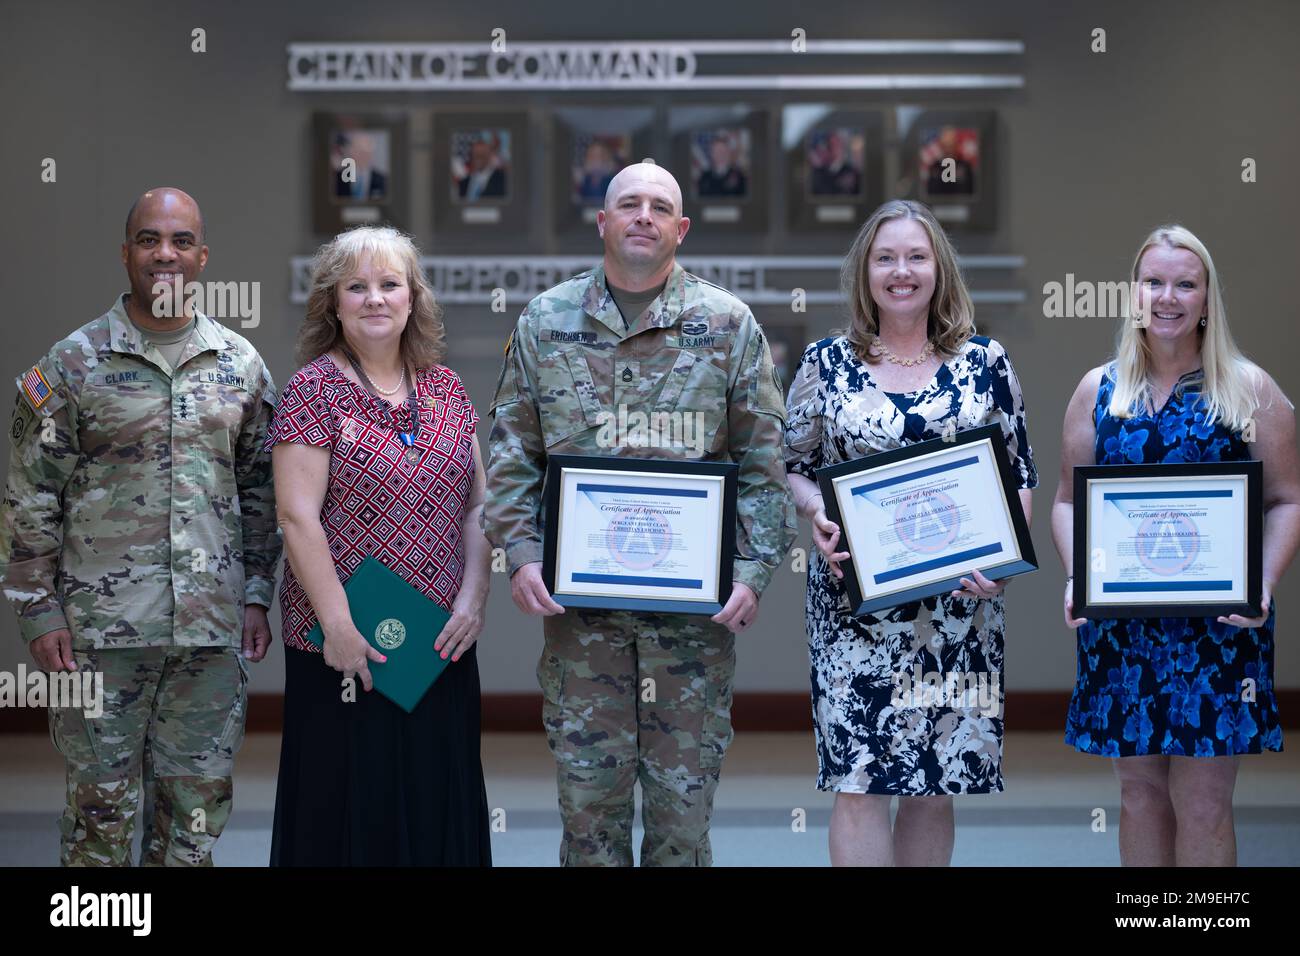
pixel 138 541
pixel 638 334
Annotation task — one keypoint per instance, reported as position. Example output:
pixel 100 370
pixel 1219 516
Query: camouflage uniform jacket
pixel 573 372
pixel 139 509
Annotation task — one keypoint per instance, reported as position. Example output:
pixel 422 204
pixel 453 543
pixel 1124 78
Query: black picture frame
pixel 501 213
pixel 1253 471
pixel 1026 563
pixel 741 128
pixel 573 210
pixel 813 206
pixel 970 201
pixel 334 137
pixel 728 471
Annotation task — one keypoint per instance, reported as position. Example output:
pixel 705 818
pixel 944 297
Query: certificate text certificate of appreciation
pixel 657 535
pixel 927 518
pixel 1181 538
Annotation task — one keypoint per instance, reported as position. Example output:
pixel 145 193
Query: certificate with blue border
pixel 1168 540
pixel 917 519
pixel 639 534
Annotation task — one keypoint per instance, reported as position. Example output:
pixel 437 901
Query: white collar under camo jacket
pixel 574 376
pixel 139 509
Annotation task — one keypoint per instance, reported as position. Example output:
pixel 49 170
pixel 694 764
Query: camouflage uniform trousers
pixel 175 713
pixel 608 727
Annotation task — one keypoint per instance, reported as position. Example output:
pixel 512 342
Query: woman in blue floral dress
pixel 910 369
pixel 1177 700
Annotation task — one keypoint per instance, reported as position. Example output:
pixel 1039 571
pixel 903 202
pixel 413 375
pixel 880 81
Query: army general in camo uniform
pixel 138 540
pixel 640 334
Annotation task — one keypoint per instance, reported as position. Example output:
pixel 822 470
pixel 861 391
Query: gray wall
pixel 1095 151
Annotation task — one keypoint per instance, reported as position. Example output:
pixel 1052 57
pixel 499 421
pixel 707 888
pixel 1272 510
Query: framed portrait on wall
pixel 719 157
pixel 480 164
pixel 358 171
pixel 833 161
pixel 480 172
pixel 949 164
pixel 589 146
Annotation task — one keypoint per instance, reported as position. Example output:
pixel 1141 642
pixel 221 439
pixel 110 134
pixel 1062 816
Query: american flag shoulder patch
pixel 36 387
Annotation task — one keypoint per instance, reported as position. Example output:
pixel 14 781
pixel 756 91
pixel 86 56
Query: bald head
pixel 637 177
pixel 167 200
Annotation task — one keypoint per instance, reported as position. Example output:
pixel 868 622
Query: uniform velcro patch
pixel 35 387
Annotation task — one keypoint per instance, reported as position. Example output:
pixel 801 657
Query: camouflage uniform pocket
pixel 715 732
pixel 675 382
pixel 550 676
pixel 567 402
pixel 232 734
pixel 74 735
pixel 695 386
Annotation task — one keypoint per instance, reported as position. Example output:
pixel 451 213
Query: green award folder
pixel 402 624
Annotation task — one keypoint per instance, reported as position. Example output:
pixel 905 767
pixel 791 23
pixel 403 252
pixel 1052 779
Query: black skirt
pixel 365 784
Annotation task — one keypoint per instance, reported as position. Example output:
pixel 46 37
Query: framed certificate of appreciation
pixel 918 519
pixel 1171 540
pixel 639 535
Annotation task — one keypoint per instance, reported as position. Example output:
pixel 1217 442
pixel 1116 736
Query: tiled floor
pixel 1045 816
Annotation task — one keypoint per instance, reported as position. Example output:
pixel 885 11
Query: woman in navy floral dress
pixel 1176 700
pixel 873 742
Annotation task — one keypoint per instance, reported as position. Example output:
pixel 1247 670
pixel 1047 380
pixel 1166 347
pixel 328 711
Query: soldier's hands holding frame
pixel 528 591
pixel 741 609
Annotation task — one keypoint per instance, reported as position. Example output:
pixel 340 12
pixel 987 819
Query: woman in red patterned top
pixel 375 455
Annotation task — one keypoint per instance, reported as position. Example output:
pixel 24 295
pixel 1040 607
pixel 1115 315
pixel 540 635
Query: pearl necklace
pixel 356 365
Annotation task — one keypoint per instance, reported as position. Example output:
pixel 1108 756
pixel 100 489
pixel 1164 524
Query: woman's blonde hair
pixel 1229 380
pixel 423 342
pixel 952 316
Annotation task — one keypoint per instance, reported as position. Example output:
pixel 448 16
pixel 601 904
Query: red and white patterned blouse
pixel 407 515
